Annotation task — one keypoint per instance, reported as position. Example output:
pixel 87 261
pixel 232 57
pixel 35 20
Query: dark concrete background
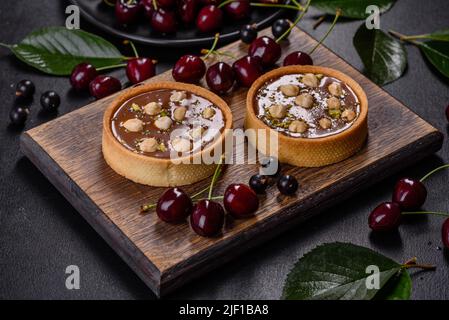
pixel 41 233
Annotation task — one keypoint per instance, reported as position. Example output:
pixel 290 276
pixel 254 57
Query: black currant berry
pixel 50 101
pixel 19 115
pixel 248 33
pixel 279 27
pixel 287 185
pixel 259 183
pixel 25 89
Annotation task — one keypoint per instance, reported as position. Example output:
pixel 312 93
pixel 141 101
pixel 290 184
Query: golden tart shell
pixel 311 152
pixel 159 172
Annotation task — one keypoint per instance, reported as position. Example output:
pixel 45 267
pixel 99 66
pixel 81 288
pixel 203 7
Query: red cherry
pixel 166 3
pixel 386 217
pixel 148 8
pixel 189 68
pixel 210 18
pixel 126 11
pixel 220 77
pixel 266 49
pixel 445 233
pixel 187 10
pixel 298 58
pixel 238 10
pixel 140 69
pixel 409 194
pixel 447 112
pixel 240 201
pixel 207 218
pixel 82 75
pixel 103 86
pixel 163 21
pixel 174 206
pixel 247 70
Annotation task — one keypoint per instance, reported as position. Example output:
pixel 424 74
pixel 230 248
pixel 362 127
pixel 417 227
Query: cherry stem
pixel 154 4
pixel 215 177
pixel 211 198
pixel 295 22
pixel 319 21
pixel 402 37
pixel 412 263
pixel 200 192
pixel 436 213
pixel 109 3
pixel 147 207
pixel 132 46
pixel 273 5
pixel 214 45
pixel 115 66
pixel 337 15
pixel 221 5
pixel 434 171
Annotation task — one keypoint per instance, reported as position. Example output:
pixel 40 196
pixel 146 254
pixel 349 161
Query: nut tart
pixel 156 134
pixel 319 113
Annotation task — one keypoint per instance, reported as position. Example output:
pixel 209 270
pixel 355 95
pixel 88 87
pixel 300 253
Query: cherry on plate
pixel 147 7
pixel 127 11
pixel 298 58
pixel 174 206
pixel 140 69
pixel 445 233
pixel 220 77
pixel 187 10
pixel 163 21
pixel 240 201
pixel 409 194
pixel 166 3
pixel 238 9
pixel 247 70
pixel 266 49
pixel 210 18
pixel 385 217
pixel 82 76
pixel 189 68
pixel 103 86
pixel 207 218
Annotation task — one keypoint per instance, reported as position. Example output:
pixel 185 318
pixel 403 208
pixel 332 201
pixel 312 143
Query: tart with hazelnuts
pixel 320 114
pixel 158 134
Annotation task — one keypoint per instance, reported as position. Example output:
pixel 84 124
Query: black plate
pixel 102 16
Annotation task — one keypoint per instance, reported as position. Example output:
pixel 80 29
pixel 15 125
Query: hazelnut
pixel 178 96
pixel 163 123
pixel 325 123
pixel 152 108
pixel 304 100
pixel 278 111
pixel 348 115
pixel 333 103
pixel 133 125
pixel 289 90
pixel 196 133
pixel 148 145
pixel 179 113
pixel 208 113
pixel 335 89
pixel 181 145
pixel 310 80
pixel 298 126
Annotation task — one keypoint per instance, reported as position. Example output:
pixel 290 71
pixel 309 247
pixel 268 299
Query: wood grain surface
pixel 68 151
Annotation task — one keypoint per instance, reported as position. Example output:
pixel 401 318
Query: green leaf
pixel 57 50
pixel 437 53
pixel 384 57
pixel 355 9
pixel 338 271
pixel 398 288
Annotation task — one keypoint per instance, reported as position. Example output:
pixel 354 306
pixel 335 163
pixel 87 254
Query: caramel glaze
pixel 270 94
pixel 193 119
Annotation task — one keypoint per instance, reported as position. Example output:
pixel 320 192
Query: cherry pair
pixel 409 196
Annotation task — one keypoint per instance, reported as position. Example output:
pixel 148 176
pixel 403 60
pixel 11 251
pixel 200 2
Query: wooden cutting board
pixel 68 151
